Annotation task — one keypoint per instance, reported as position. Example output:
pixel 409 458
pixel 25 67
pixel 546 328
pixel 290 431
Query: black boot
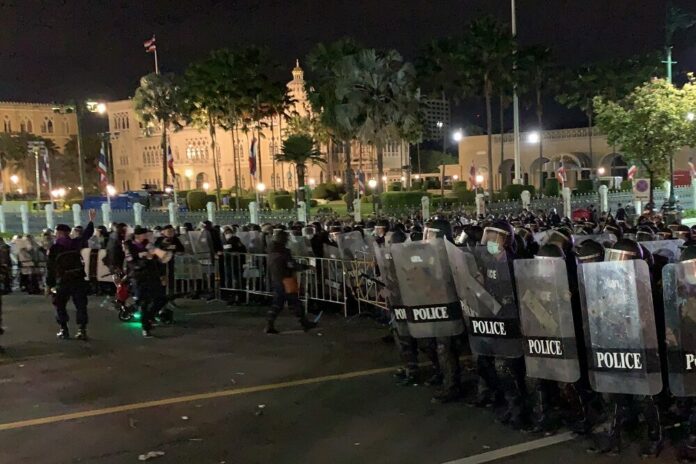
pixel 81 333
pixel 270 328
pixel 63 333
pixel 447 395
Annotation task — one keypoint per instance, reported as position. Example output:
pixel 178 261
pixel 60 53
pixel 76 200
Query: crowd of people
pixel 455 285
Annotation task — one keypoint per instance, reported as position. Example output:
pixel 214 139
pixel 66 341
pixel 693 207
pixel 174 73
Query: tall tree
pixel 157 103
pixel 326 63
pixel 650 124
pixel 299 150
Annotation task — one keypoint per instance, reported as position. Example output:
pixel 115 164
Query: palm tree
pixel 380 94
pixel 327 65
pixel 299 150
pixel 157 102
pixel 280 103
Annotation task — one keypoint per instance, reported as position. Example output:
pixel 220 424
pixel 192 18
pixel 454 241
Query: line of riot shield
pixel 202 249
pixel 619 326
pixel 352 246
pixel 427 289
pixel 605 238
pixel 299 246
pixel 546 317
pixel 679 292
pixel 486 293
pixel 391 291
pixel 252 241
pixel 668 249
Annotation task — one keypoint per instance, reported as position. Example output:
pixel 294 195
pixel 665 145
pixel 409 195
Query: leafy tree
pixel 326 63
pixel 431 160
pixel 650 124
pixel 65 168
pixel 299 150
pixel 157 102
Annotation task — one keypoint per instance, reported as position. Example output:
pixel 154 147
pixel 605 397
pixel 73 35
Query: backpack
pixel 69 266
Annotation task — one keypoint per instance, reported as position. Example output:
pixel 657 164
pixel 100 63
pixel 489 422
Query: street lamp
pixel 189 175
pixel 372 183
pixel 457 135
pixel 479 181
pixel 312 182
pixel 533 137
pixel 601 171
pixel 339 180
pixel 206 186
pixel 455 177
pixel 14 178
pixel 260 188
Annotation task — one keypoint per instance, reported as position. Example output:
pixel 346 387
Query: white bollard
pixel 24 212
pixel 425 207
pixel 567 210
pixel 106 214
pixel 693 193
pixel 173 213
pixel 526 198
pixel 357 214
pixel 137 214
pixel 253 213
pixel 638 206
pixel 210 207
pixel 50 217
pixel 667 187
pixel 3 226
pixel 76 214
pixel 302 212
pixel 480 205
pixel 603 198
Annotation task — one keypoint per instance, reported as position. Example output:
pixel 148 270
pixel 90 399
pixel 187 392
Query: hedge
pixel 195 200
pixel 327 191
pixel 417 185
pixel 552 188
pixel 459 187
pixel 282 202
pixel 626 185
pixel 272 195
pixel 395 187
pixel 585 186
pixel 210 198
pixel 514 191
pixel 432 183
pixel 397 200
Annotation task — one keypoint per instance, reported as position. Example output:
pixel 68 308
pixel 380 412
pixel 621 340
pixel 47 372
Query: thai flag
pixel 170 163
pixel 472 176
pixel 150 45
pixel 632 172
pixel 102 167
pixel 560 174
pixel 252 156
pixel 46 166
pixel 692 168
pixel 360 177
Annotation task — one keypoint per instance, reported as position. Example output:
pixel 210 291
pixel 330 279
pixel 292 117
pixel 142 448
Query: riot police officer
pixel 65 277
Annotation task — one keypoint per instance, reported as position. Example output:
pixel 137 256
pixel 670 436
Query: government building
pixel 137 155
pixel 42 119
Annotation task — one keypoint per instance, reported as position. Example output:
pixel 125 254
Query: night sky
pixel 55 50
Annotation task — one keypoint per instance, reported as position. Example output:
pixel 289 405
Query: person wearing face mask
pixel 168 241
pixel 234 260
pixel 65 277
pixel 146 271
pixel 381 230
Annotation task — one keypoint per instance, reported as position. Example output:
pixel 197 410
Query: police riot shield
pixel 95 269
pixel 252 241
pixel 485 288
pixel 387 271
pixel 668 249
pixel 604 239
pixel 331 252
pixel 200 244
pixel 427 289
pixel 352 246
pixel 546 318
pixel 679 291
pixel 619 326
pixel 186 242
pixel 299 246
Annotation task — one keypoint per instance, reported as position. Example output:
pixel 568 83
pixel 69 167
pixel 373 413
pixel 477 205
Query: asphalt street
pixel 214 389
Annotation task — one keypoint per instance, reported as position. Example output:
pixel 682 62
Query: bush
pixel 195 200
pixel 395 187
pixel 585 186
pixel 327 191
pixel 398 200
pixel 552 188
pixel 627 185
pixel 313 203
pixel 282 202
pixel 272 195
pixel 514 191
pixel 417 185
pixel 432 184
pixel 210 198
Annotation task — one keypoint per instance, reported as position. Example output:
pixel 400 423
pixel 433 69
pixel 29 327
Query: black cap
pixel 63 228
pixel 139 230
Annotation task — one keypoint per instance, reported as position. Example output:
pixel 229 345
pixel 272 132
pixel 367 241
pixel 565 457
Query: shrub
pixel 627 185
pixel 552 188
pixel 585 186
pixel 313 203
pixel 195 200
pixel 397 200
pixel 514 191
pixel 210 198
pixel 417 185
pixel 327 191
pixel 272 195
pixel 395 187
pixel 432 183
pixel 282 202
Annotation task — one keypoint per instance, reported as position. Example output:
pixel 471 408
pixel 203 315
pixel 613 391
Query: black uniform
pixel 282 270
pixel 145 272
pixel 65 273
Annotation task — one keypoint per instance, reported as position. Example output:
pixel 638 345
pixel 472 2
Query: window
pixel 7 125
pixel 30 126
pixel 66 127
pixel 201 179
pixel 49 124
pixel 23 126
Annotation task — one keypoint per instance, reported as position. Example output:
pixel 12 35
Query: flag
pixel 472 175
pixel 150 45
pixel 560 174
pixel 46 167
pixel 360 178
pixel 170 163
pixel 692 168
pixel 632 172
pixel 252 157
pixel 102 167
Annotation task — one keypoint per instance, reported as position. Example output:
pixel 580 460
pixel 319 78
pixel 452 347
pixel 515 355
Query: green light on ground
pixel 136 316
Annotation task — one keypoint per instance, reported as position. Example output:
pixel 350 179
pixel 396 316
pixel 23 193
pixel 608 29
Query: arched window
pixel 66 127
pixel 49 125
pixel 7 125
pixel 201 179
pixel 30 126
pixel 22 126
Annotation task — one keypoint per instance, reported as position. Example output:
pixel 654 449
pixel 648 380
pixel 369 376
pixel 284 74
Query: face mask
pixel 228 236
pixel 492 247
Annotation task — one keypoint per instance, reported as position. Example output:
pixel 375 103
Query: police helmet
pixel 590 251
pixel 624 250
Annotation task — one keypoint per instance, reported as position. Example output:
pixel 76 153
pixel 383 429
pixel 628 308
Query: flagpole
pixel 156 62
pixel 47 165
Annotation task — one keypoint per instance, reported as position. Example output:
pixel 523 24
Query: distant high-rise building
pixel 435 110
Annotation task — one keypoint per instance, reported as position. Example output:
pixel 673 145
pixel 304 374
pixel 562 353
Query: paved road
pixel 214 389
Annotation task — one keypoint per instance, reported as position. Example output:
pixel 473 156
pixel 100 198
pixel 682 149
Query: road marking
pixel 190 398
pixel 515 449
pixel 221 311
